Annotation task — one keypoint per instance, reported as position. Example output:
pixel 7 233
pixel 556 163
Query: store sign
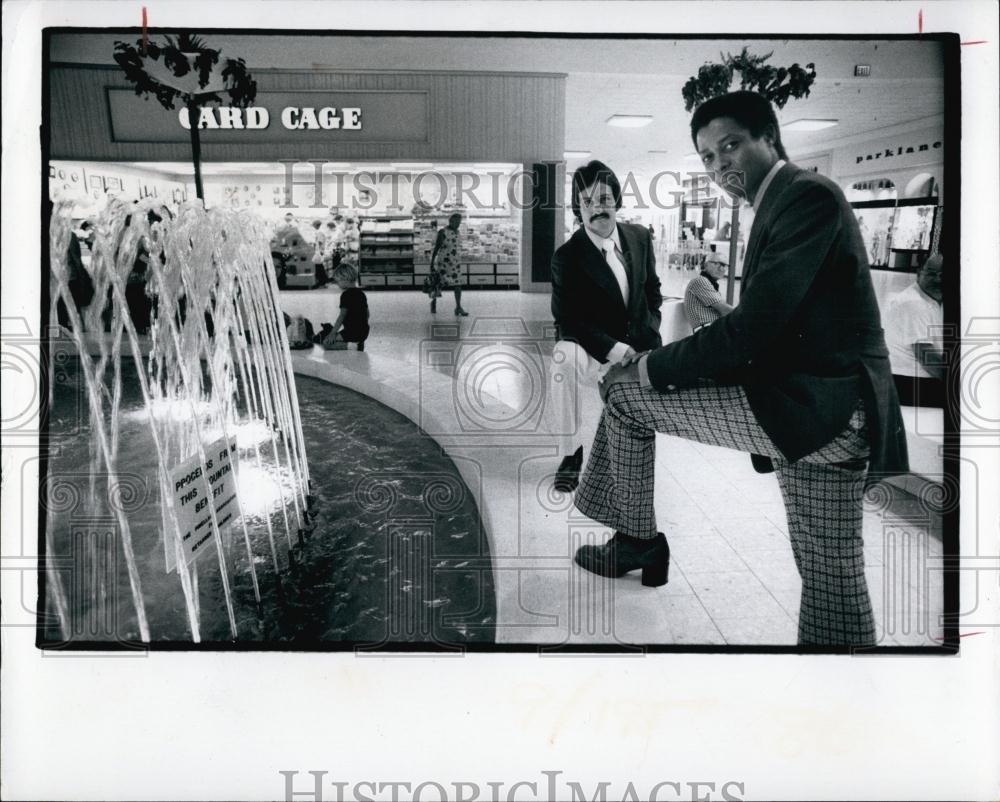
pixel 897 150
pixel 196 485
pixel 292 117
pixel 339 116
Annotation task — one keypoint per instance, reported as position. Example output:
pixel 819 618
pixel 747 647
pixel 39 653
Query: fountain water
pixel 214 367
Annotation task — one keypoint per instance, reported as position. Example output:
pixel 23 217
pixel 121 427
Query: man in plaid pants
pixel 797 375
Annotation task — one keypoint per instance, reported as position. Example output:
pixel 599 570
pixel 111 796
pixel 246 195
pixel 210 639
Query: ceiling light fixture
pixel 808 124
pixel 629 120
pixel 576 154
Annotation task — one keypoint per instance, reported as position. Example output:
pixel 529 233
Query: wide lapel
pixel 762 217
pixel 633 258
pixel 596 266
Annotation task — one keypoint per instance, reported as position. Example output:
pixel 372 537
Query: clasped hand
pixel 626 370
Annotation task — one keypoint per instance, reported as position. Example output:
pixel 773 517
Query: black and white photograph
pixel 498 344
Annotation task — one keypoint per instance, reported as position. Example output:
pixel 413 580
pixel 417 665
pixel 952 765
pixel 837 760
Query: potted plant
pixel 185 69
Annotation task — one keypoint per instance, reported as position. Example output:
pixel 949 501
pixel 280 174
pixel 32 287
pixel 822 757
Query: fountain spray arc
pixel 215 364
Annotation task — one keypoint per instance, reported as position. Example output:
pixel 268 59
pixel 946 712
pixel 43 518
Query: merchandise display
pixel 386 252
pixel 391 242
pixel 89 184
pixel 490 249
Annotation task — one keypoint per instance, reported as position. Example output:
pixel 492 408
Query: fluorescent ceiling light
pixel 576 154
pixel 807 124
pixel 629 120
pixel 505 166
pixel 692 157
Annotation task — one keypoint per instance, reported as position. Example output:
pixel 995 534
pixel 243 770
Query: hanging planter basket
pixel 185 69
pixel 777 84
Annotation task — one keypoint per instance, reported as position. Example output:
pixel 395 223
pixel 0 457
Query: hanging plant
pixel 777 84
pixel 185 68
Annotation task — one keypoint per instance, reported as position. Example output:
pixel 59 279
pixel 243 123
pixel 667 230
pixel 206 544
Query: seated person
pixel 351 325
pixel 913 331
pixel 702 302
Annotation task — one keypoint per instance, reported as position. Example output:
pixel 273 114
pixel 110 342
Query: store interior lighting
pixel 630 120
pixel 807 124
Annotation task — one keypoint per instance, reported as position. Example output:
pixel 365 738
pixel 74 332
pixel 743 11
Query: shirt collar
pixel 601 243
pixel 762 189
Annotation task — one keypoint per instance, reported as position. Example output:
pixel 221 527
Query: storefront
pixel 388 156
pixel 895 182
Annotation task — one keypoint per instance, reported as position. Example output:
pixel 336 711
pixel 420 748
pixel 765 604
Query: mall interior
pixel 433 450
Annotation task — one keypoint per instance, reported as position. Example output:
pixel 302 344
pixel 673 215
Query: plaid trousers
pixel 823 500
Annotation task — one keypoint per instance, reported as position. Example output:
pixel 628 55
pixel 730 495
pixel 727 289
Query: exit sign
pixel 862 70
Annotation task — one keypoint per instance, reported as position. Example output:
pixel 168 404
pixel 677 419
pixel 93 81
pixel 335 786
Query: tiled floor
pixel 733 579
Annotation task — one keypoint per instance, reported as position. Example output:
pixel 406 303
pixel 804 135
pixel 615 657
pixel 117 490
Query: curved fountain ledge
pixel 506 475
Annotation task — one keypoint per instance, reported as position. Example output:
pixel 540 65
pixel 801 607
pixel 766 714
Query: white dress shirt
pixel 762 189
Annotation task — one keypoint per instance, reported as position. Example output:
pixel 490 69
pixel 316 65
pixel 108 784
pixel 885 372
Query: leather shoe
pixel 622 554
pixel 568 472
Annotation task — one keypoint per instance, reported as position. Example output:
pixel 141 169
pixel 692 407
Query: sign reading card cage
pixel 199 487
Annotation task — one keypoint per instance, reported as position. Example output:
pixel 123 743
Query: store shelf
pixel 386 252
pixel 491 248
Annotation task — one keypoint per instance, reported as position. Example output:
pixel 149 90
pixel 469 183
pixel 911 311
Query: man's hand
pixel 631 358
pixel 619 374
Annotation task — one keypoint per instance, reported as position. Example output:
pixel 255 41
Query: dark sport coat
pixel 587 304
pixel 805 341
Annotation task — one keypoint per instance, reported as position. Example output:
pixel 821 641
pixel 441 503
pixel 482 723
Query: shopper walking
pixel 445 265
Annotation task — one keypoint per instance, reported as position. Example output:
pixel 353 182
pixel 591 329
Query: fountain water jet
pixel 216 351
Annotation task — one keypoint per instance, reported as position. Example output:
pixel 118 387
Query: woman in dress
pixel 445 267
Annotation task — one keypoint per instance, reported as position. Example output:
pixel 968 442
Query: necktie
pixel 616 261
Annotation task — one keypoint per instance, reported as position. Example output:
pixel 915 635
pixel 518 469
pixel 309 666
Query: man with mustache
pixel 798 373
pixel 606 304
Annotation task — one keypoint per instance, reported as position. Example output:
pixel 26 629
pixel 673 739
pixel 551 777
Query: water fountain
pixel 214 368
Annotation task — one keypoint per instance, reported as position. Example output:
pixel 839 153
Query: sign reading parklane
pixel 198 484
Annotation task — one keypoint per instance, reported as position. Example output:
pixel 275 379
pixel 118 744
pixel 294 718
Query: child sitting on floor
pixel 352 322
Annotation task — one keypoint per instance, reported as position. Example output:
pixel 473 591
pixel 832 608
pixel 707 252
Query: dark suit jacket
pixel 806 340
pixel 587 304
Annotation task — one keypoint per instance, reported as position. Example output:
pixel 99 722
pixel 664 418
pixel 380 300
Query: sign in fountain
pixel 216 384
pixel 196 484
